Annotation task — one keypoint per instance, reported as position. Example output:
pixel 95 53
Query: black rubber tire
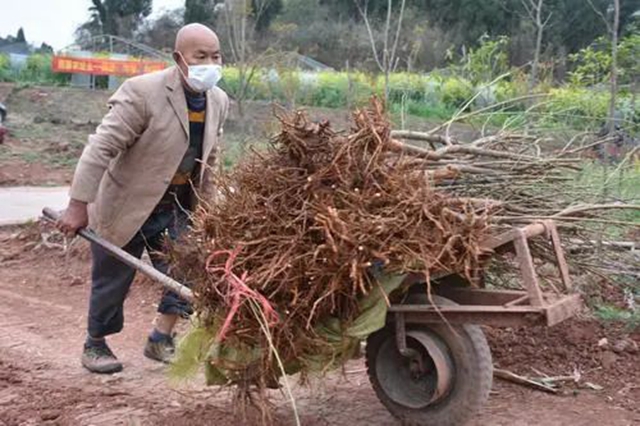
pixel 472 381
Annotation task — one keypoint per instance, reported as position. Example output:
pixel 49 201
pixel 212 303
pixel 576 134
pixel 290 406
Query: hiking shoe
pixel 161 350
pixel 99 359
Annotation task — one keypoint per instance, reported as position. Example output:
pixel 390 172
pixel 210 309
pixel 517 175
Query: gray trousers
pixel 111 279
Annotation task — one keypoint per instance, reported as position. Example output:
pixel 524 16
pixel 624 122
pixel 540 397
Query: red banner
pixel 96 66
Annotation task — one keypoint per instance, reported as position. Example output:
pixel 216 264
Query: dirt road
pixel 21 204
pixel 42 319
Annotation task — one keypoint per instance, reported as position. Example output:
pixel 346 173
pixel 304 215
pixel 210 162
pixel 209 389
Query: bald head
pixel 196 44
pixel 195 34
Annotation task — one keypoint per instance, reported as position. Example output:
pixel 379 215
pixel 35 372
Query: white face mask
pixel 202 77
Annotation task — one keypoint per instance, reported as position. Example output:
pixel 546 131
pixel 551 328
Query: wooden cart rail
pixel 503 307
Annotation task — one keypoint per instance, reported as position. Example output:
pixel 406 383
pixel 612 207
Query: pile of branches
pixel 507 173
pixel 299 232
pixel 522 180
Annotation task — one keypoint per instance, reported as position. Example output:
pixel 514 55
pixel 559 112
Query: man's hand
pixel 74 218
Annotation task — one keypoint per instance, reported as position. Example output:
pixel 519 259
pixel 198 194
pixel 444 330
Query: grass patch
pixel 599 183
pixel 31 131
pixel 32 156
pixel 614 314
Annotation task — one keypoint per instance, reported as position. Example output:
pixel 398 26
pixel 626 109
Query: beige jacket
pixel 130 160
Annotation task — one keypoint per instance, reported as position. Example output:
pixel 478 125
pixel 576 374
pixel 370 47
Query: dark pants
pixel 111 279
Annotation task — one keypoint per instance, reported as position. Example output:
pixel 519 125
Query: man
pixel 133 183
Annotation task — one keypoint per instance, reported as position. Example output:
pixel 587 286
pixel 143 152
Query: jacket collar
pixel 177 99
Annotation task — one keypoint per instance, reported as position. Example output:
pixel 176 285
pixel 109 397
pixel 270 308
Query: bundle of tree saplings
pixel 294 261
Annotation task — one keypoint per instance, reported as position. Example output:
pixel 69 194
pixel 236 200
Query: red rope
pixel 237 292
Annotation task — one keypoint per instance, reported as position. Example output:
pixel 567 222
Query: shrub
pixel 333 89
pixel 6 73
pixel 257 87
pixel 436 95
pixel 489 60
pixel 38 71
pixel 592 65
pixel 506 89
pixel 579 107
pixel 402 84
pixel 456 92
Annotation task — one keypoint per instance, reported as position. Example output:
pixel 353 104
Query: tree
pixel 264 12
pixel 239 19
pixel 469 20
pixel 20 38
pixel 45 49
pixel 385 55
pixel 629 63
pixel 614 63
pixel 613 28
pixel 342 10
pixel 198 11
pixel 574 24
pixel 115 17
pixel 160 32
pixel 534 12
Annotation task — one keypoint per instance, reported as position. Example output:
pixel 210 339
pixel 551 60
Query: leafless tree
pixel 613 28
pixel 240 20
pixel 385 55
pixel 614 63
pixel 534 11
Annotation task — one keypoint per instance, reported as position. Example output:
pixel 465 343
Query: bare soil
pixel 42 324
pixel 47 131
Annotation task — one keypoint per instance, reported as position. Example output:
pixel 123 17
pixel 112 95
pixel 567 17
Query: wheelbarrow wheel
pixel 445 382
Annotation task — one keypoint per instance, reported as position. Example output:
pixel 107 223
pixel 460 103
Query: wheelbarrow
pixel 431 364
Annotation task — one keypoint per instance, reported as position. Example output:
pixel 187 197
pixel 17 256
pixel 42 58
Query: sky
pixel 54 21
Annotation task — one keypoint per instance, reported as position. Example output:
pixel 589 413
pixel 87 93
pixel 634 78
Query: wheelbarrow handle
pixel 166 281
